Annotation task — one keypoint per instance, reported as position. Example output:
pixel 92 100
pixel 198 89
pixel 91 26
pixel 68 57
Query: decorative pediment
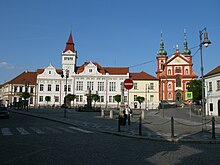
pixel 90 69
pixel 178 60
pixel 49 71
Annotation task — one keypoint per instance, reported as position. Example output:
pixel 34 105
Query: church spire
pixel 162 51
pixel 70 44
pixel 186 51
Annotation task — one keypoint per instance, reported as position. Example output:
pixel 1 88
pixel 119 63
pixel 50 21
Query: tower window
pixel 178 82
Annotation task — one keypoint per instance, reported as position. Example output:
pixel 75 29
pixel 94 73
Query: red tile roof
pixel 70 44
pixel 104 70
pixel 142 76
pixel 25 77
pixel 214 71
pixel 40 71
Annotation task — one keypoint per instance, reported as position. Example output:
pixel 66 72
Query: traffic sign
pixel 128 84
pixel 189 95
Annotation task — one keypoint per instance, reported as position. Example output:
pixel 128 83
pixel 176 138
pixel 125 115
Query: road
pixel 29 140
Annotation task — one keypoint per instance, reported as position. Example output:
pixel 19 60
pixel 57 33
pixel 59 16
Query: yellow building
pixel 146 86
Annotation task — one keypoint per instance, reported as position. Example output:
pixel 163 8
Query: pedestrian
pixel 127 113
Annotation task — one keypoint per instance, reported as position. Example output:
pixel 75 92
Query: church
pixel 174 73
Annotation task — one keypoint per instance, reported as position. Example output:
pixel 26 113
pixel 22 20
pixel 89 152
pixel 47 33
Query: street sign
pixel 189 102
pixel 189 95
pixel 128 84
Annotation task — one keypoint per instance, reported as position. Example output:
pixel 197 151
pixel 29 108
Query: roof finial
pixel 186 51
pixel 177 48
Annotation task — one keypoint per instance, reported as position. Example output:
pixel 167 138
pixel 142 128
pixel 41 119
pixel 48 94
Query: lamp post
pixel 206 43
pixel 65 89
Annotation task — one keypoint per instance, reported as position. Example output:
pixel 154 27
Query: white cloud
pixel 3 64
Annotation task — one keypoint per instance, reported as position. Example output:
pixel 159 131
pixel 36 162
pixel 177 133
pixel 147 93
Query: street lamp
pixel 206 43
pixel 65 89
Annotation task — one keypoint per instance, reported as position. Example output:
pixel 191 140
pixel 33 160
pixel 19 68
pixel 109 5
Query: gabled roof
pixel 25 77
pixel 142 76
pixel 40 71
pixel 70 44
pixel 177 54
pixel 104 70
pixel 214 71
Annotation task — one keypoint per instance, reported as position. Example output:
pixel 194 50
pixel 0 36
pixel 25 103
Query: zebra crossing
pixel 40 131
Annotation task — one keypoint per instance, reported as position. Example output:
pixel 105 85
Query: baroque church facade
pixel 174 73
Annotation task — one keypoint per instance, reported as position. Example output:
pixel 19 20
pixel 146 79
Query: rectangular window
pixel 218 85
pixel 69 88
pixel 56 98
pixel 79 98
pixel 57 88
pixel 32 90
pixel 41 99
pixel 90 85
pixel 151 87
pixel 151 98
pixel 20 89
pixel 102 99
pixel 64 88
pixel 112 86
pixel 210 86
pixel 41 87
pixel 49 87
pixel 100 86
pixel 135 85
pixel 15 88
pixel 135 97
pixel 79 85
pixel 125 99
pixel 110 99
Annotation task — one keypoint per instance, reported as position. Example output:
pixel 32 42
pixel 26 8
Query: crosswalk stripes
pixel 22 131
pixel 6 131
pixel 40 131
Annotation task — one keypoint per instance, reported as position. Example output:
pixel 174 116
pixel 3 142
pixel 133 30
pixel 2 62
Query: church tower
pixel 69 56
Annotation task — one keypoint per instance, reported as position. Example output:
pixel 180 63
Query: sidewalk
pixel 154 126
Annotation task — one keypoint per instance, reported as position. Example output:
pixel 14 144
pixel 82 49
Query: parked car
pixel 4 112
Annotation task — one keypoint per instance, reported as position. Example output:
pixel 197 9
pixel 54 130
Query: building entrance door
pixel 178 96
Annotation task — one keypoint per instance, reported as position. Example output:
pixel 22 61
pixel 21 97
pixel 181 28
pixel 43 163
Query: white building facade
pixel 212 92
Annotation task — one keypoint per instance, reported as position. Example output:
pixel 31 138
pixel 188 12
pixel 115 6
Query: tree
pixel 95 97
pixel 25 95
pixel 47 99
pixel 140 100
pixel 69 98
pixel 195 86
pixel 117 99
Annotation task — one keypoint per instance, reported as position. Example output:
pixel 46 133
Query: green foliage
pixel 140 100
pixel 47 98
pixel 95 97
pixel 117 99
pixel 25 95
pixel 195 86
pixel 68 98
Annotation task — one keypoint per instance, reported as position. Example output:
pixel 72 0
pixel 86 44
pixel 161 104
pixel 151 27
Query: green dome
pixel 186 51
pixel 162 51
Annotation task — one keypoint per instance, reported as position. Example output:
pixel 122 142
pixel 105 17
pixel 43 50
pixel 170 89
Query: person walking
pixel 127 114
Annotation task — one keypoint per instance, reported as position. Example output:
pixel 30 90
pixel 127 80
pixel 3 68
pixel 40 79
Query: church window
pixel 178 82
pixel 169 86
pixel 169 96
pixel 169 72
pixel 187 71
pixel 178 70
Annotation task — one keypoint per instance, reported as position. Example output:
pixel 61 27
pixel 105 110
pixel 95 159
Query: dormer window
pixel 90 70
pixel 49 72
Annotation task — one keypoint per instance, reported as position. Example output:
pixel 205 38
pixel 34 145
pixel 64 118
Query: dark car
pixel 4 112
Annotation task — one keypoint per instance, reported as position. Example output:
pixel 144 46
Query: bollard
pixel 140 131
pixel 142 114
pixel 111 114
pixel 103 114
pixel 119 123
pixel 213 128
pixel 172 127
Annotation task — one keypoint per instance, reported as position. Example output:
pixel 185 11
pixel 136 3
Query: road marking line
pixel 22 131
pixel 81 130
pixel 37 130
pixel 6 131
pixel 66 130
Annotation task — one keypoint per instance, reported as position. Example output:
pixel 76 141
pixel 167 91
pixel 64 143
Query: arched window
pixel 187 71
pixel 178 82
pixel 169 72
pixel 170 96
pixel 169 86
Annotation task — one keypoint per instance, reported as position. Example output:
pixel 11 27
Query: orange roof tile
pixel 25 77
pixel 142 76
pixel 214 71
pixel 70 44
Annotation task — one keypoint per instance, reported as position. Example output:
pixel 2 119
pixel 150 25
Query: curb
pixel 163 139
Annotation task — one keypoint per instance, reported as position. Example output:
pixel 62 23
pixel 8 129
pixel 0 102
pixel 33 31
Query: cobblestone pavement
pixel 154 125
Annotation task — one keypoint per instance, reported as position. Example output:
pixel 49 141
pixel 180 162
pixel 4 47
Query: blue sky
pixel 113 33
